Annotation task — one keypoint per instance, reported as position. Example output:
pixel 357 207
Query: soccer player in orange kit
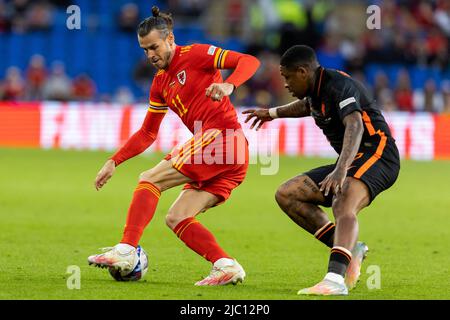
pixel 190 84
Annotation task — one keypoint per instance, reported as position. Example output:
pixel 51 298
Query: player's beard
pixel 165 59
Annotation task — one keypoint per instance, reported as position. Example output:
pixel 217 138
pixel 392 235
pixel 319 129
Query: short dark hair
pixel 299 56
pixel 159 21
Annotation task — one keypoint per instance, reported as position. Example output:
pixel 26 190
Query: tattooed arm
pixel 296 109
pixel 352 139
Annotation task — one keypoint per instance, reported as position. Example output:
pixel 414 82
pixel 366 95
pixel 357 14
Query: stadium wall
pixel 88 126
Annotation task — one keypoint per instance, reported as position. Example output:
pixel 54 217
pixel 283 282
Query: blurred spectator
pixel 105 98
pixel 414 34
pixel 128 20
pixel 18 9
pixel 36 76
pixel 435 43
pixel 446 96
pixel 429 99
pixel 263 98
pixel 39 17
pixel 296 25
pixel 58 86
pixel 242 96
pixel 123 96
pixel 424 14
pixel 235 17
pixel 381 84
pixel 13 87
pixel 386 101
pixel 403 92
pixel 83 88
pixel 442 16
pixel 5 22
pixel 143 74
pixel 329 55
pixel 187 10
pixel 292 11
pixel 268 78
pixel 374 47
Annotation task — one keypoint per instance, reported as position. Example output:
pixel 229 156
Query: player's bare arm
pixel 352 139
pixel 219 90
pixel 105 174
pixel 135 145
pixel 295 109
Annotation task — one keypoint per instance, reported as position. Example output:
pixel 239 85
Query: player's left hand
pixel 216 91
pixel 334 181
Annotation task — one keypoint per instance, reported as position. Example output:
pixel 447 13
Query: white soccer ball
pixel 139 270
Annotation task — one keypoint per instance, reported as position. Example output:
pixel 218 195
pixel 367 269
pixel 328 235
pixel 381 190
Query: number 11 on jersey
pixel 181 109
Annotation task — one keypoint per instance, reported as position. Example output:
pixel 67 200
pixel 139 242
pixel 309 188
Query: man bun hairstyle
pixel 299 56
pixel 160 21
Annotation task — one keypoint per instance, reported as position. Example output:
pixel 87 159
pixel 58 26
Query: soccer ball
pixel 138 271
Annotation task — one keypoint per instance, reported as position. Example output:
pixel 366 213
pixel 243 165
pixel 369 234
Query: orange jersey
pixel 182 88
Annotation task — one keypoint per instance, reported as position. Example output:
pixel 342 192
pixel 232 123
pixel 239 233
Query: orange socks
pixel 141 211
pixel 199 239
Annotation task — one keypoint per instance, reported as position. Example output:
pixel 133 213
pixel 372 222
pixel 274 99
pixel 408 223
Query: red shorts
pixel 216 160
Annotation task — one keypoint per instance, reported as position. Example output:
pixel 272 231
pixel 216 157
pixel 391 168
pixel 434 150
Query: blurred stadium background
pixel 87 89
pixel 405 64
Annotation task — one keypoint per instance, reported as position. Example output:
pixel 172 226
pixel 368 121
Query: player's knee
pixel 346 220
pixel 282 196
pixel 149 176
pixel 342 212
pixel 174 218
pixel 146 176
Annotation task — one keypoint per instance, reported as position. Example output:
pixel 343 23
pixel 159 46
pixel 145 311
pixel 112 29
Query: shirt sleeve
pixel 157 103
pixel 347 99
pixel 141 139
pixel 209 56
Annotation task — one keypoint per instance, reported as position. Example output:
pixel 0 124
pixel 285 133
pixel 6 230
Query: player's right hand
pixel 104 174
pixel 261 115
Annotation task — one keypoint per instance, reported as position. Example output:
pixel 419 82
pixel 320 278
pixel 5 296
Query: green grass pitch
pixel 53 218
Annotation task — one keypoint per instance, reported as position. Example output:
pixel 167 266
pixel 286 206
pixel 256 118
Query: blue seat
pixel 371 71
pixel 16 50
pixel 419 76
pixel 392 72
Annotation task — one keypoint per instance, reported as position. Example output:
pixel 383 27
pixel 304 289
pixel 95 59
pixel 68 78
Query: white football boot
pixel 115 257
pixel 359 253
pixel 224 271
pixel 331 285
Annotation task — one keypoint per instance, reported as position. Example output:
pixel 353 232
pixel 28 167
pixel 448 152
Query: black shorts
pixel 378 173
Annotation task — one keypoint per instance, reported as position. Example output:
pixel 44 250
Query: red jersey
pixel 182 88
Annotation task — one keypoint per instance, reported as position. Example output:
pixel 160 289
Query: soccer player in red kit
pixel 190 84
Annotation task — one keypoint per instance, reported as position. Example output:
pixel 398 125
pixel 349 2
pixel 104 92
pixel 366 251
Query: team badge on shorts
pixel 182 77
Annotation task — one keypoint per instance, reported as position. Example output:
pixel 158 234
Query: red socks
pixel 190 231
pixel 199 239
pixel 141 211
